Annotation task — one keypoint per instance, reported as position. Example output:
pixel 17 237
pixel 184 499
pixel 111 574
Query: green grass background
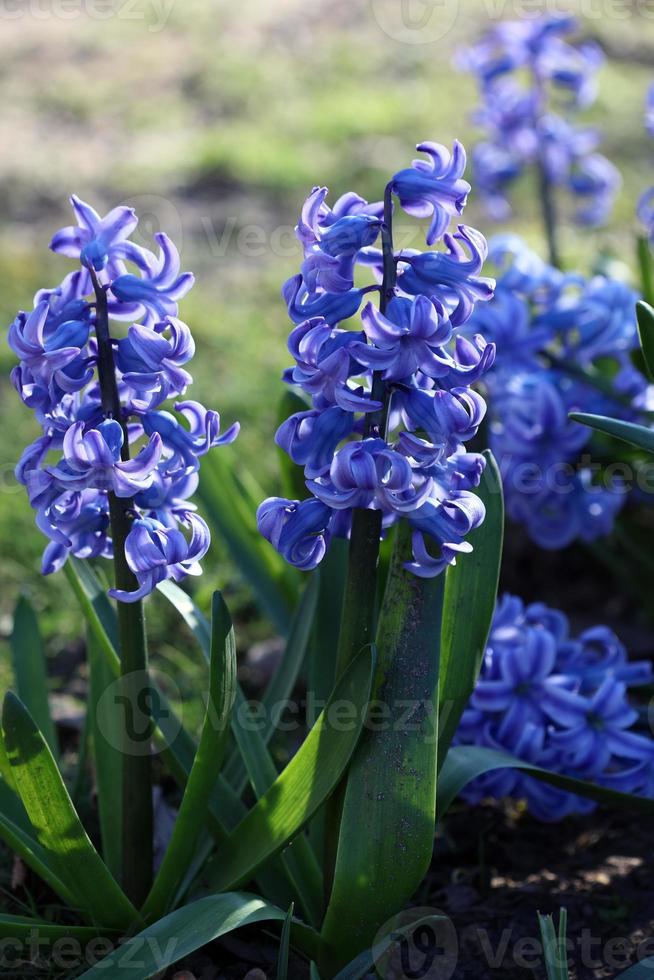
pixel 214 119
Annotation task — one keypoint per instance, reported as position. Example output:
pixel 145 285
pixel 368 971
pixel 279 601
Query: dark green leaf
pixel 365 962
pixel 185 930
pixel 645 315
pixel 298 859
pixel 29 664
pixel 17 832
pixel 106 735
pixel 283 680
pixel 470 594
pixel 191 817
pixel 176 745
pixel 640 971
pixel 387 825
pixel 646 265
pixel 636 435
pixel 324 639
pixel 309 778
pixel 26 929
pixel 56 823
pixel 466 762
pixel 282 959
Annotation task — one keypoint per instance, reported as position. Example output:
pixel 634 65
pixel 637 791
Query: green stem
pixel 137 815
pixel 359 598
pixel 548 214
pixel 545 187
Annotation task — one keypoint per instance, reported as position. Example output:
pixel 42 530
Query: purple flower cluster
pixel 646 202
pixel 549 327
pixel 391 406
pixel 560 702
pixel 523 69
pixel 148 455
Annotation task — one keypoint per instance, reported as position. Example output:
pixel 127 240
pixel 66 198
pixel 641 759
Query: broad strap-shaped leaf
pixel 56 823
pixel 301 788
pixel 639 971
pixel 283 681
pixel 465 762
pixel 28 657
pixel 470 595
pixel 24 928
pixel 18 834
pixel 646 265
pixel 364 964
pixel 298 859
pixel 387 825
pixel 645 316
pixel 187 929
pixel 230 509
pixel 251 755
pixel 177 747
pixel 324 640
pixel 191 817
pixel 636 435
pixel 105 729
pixel 196 621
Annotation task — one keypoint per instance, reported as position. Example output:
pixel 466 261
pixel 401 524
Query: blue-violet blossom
pixel 525 70
pixel 560 702
pixel 83 455
pixel 405 358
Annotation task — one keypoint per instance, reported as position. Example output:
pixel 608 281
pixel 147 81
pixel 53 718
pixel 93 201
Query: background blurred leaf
pixel 230 509
pixel 29 664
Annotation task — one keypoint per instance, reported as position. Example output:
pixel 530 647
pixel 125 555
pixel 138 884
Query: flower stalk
pixel 358 615
pixel 137 815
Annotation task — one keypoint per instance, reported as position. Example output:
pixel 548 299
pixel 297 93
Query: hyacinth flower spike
pixel 388 372
pixel 126 466
pixel 526 124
